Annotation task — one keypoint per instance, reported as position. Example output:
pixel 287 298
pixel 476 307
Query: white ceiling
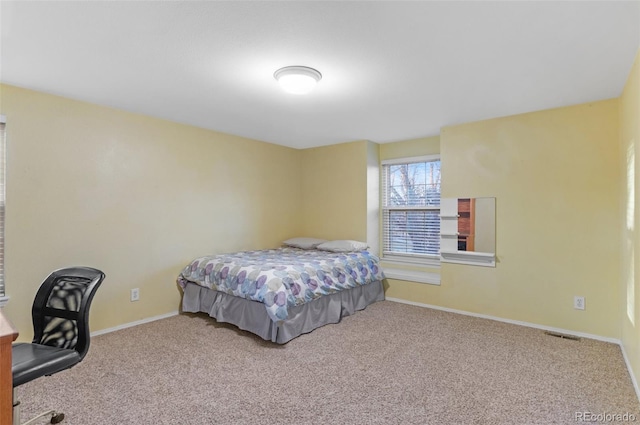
pixel 391 70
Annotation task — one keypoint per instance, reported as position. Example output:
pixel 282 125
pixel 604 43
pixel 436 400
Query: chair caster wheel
pixel 57 418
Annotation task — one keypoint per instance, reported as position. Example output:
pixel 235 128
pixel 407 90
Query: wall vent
pixel 563 336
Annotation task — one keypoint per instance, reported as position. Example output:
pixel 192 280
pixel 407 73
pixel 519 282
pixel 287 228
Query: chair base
pixel 56 417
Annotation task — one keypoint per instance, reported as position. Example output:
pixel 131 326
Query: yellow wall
pixel 334 194
pixel 409 148
pixel 630 218
pixel 555 177
pixel 134 196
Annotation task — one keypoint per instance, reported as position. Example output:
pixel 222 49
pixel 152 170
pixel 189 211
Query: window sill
pixel 484 259
pixel 412 275
pixel 431 262
pixel 3 301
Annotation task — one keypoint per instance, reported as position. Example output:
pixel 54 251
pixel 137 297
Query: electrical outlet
pixel 578 303
pixel 135 294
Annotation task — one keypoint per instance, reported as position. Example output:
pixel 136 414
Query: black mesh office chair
pixel 60 316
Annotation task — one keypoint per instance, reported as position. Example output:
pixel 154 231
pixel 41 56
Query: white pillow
pixel 303 243
pixel 343 245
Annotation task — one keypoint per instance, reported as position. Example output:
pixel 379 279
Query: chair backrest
pixel 61 308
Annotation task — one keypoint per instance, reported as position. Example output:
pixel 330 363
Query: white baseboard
pixel 136 323
pixel 633 377
pixel 536 326
pixel 513 322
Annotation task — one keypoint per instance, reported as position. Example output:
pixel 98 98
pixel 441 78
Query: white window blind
pixel 411 208
pixel 2 207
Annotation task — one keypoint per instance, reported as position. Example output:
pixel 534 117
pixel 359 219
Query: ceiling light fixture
pixel 297 79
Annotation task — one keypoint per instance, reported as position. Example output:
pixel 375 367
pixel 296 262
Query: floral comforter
pixel 282 278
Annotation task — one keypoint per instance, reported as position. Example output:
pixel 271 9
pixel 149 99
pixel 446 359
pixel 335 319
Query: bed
pixel 279 294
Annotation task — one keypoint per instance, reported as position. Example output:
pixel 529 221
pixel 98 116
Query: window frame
pixel 3 207
pixel 430 260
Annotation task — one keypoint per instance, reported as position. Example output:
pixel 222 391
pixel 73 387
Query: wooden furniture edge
pixel 8 334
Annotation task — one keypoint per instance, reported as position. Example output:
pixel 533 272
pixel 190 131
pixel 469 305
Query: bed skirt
pixel 252 316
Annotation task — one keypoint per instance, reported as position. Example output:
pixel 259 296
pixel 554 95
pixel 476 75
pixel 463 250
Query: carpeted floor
pixel 389 364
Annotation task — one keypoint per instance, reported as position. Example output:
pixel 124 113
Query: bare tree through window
pixel 412 208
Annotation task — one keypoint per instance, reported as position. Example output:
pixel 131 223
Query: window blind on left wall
pixel 2 207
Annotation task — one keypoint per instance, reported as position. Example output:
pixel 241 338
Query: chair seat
pixel 31 361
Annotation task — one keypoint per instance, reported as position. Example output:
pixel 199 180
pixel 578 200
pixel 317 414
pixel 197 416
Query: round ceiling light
pixel 297 79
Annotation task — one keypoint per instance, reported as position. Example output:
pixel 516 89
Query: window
pixel 3 298
pixel 411 209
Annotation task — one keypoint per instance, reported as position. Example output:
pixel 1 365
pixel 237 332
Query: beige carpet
pixel 389 364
